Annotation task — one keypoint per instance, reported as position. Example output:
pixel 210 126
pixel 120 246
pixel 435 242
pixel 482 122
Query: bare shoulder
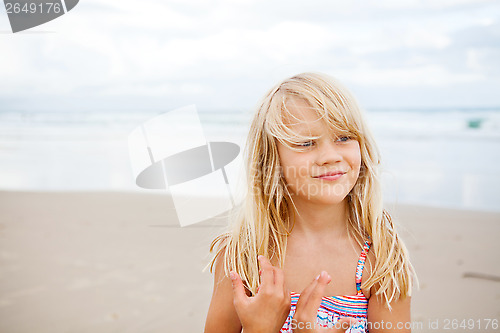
pixel 222 316
pixel 398 317
pixel 367 272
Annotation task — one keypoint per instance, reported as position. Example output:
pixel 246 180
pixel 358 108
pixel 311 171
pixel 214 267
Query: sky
pixel 159 55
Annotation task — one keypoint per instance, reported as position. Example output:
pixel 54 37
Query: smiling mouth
pixel 334 176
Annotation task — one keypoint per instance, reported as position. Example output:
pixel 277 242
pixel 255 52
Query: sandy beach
pixel 120 262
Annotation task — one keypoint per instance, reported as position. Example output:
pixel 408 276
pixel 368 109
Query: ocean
pixel 435 157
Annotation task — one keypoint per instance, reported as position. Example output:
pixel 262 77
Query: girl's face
pixel 333 154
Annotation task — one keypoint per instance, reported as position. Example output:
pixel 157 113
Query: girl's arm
pixel 222 316
pixel 380 319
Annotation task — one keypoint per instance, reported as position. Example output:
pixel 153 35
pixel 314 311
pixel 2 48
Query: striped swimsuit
pixel 333 308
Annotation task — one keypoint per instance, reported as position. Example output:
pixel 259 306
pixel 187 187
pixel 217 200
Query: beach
pixel 120 262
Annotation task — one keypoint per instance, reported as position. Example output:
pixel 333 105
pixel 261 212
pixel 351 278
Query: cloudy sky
pixel 159 54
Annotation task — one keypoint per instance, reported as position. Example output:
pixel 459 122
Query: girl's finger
pixel 317 293
pixel 238 289
pixel 313 296
pixel 307 291
pixel 267 276
pixel 279 278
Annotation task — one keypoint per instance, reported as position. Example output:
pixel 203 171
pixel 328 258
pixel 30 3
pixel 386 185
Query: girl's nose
pixel 328 153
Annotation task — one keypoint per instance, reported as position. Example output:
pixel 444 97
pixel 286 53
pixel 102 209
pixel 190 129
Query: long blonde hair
pixel 260 225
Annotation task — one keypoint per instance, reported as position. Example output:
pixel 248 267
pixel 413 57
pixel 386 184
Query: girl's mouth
pixel 331 177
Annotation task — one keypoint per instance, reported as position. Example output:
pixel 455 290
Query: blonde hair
pixel 259 226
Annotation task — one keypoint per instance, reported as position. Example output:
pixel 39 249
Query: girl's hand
pixel 267 311
pixel 307 308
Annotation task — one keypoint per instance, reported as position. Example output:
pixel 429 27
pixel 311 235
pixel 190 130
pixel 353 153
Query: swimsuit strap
pixel 361 264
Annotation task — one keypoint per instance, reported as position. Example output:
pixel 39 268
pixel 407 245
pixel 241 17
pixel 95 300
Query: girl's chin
pixel 332 201
pixel 325 200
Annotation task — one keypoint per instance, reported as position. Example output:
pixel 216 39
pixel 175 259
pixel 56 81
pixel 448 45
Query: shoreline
pixel 147 192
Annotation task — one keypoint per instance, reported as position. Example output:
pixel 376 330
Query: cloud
pixel 201 50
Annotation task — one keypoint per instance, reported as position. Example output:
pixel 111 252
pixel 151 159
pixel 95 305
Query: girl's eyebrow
pixel 318 132
pixel 307 133
pixel 314 129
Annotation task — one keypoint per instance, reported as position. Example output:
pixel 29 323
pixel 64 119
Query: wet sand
pixel 120 262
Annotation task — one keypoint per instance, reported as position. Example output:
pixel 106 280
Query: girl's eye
pixel 343 138
pixel 311 143
pixel 306 144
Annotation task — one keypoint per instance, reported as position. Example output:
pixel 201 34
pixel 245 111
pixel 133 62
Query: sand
pixel 120 262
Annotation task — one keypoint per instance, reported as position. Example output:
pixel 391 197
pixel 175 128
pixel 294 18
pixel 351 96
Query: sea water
pixel 438 157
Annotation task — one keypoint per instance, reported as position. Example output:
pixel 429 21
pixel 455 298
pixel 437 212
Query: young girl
pixel 311 246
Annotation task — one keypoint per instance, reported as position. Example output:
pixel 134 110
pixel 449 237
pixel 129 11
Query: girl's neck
pixel 318 220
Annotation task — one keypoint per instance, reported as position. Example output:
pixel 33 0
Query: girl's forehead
pixel 299 116
pixel 297 111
